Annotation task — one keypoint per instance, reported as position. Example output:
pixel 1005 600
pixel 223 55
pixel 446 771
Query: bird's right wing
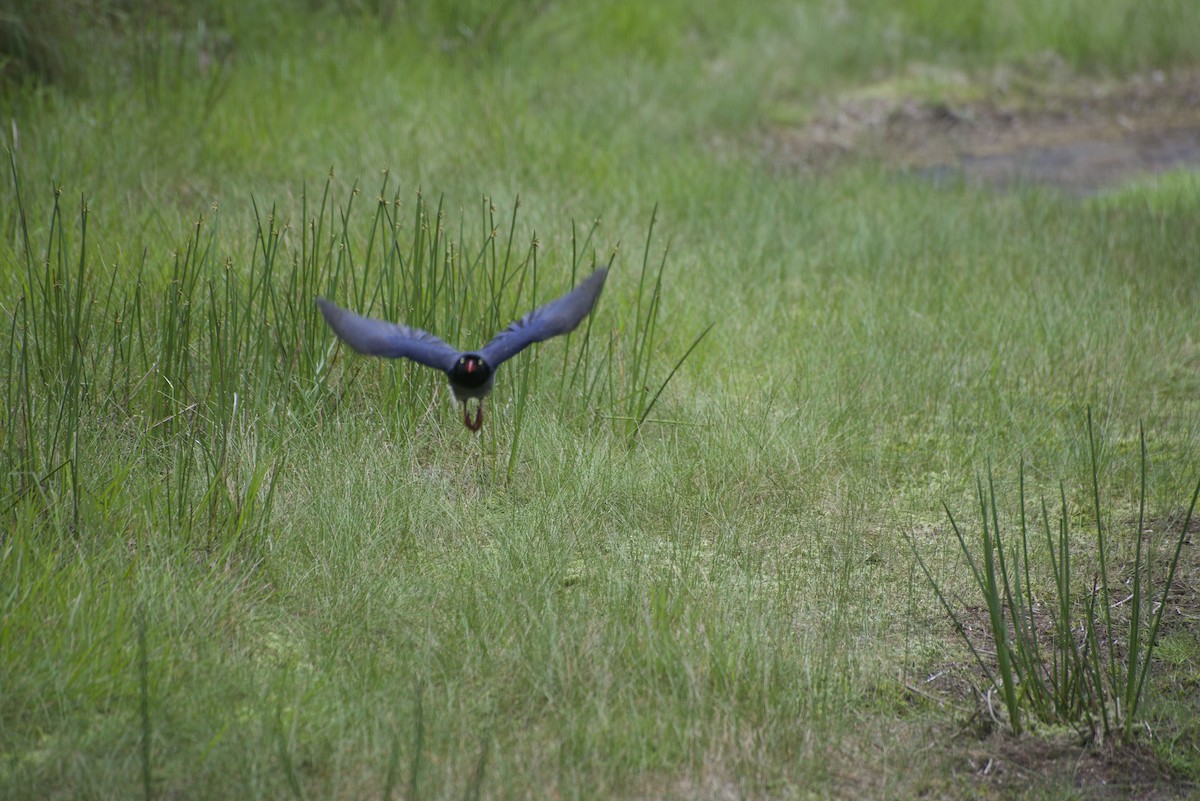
pixel 380 338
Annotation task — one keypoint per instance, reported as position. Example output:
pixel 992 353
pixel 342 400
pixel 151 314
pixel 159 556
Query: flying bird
pixel 470 372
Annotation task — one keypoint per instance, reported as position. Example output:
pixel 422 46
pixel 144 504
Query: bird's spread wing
pixel 556 317
pixel 381 338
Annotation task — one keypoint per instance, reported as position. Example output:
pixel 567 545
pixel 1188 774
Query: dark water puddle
pixel 1084 166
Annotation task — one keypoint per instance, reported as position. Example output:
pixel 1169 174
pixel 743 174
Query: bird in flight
pixel 470 372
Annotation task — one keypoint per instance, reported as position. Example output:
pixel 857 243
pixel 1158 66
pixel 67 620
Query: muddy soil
pixel 1083 137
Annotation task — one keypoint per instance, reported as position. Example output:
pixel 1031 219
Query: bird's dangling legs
pixel 477 423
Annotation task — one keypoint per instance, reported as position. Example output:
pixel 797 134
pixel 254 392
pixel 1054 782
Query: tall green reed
pixel 640 400
pixel 200 366
pixel 1063 658
pixel 47 348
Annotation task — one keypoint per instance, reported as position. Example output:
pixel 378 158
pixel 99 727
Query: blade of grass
pixel 646 411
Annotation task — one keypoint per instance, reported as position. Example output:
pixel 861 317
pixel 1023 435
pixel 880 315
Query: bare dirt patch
pixel 1003 764
pixel 1079 136
pixel 920 758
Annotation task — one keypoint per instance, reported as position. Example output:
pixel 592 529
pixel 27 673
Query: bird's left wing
pixel 555 318
pixel 381 338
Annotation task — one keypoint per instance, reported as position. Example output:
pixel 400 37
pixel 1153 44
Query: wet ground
pixel 1082 137
pixel 1083 166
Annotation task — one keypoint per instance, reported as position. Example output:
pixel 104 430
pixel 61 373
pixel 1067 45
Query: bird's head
pixel 471 371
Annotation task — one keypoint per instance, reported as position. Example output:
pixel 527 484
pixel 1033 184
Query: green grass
pixel 239 561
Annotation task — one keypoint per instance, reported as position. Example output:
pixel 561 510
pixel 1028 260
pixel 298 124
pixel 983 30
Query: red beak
pixel 470 367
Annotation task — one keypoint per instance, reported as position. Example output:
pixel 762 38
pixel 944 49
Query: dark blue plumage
pixel 470 373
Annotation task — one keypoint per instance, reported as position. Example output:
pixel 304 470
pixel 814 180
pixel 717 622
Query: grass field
pixel 239 561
